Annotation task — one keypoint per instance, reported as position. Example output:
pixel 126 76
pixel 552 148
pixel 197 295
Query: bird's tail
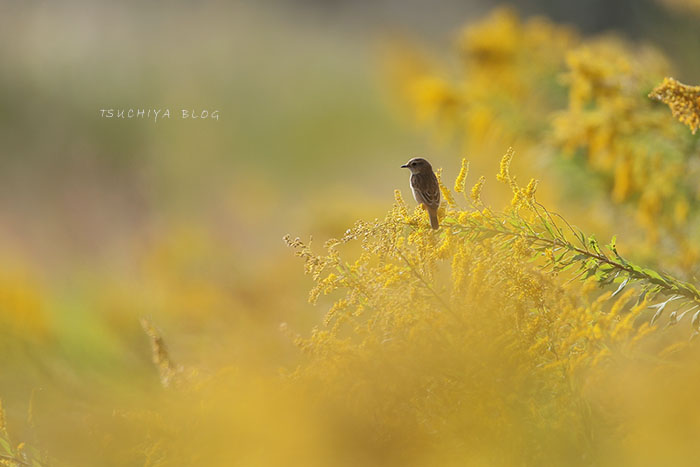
pixel 433 219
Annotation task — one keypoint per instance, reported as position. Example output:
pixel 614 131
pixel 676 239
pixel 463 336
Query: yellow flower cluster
pixel 576 105
pixel 457 339
pixel 606 119
pixel 626 139
pixel 683 100
pixel 476 190
pixel 462 177
pixel 504 59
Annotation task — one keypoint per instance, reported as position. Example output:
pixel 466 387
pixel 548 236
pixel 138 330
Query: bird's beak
pixel 404 166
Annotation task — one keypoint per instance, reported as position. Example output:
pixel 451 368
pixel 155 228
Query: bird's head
pixel 418 165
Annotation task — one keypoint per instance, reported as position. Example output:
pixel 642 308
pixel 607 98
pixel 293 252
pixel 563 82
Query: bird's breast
pixel 413 190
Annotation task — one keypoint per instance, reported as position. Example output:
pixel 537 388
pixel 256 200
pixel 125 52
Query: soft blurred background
pixel 105 221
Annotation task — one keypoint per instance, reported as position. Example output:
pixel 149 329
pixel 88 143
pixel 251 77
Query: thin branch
pixel 667 283
pixel 425 283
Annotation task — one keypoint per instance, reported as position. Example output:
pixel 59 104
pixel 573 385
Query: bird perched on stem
pixel 424 185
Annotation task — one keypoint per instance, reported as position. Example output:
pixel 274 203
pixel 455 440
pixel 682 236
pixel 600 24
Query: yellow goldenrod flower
pixel 476 190
pixel 530 190
pixel 682 99
pixel 504 168
pixel 446 193
pixel 462 177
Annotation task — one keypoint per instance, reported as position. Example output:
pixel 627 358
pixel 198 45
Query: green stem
pixel 425 283
pixel 671 285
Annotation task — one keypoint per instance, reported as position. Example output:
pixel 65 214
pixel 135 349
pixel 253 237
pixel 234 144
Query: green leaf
pixel 565 267
pixel 581 237
pixel 661 307
pixel 6 446
pixel 640 299
pixel 622 286
pixel 696 320
pixel 654 275
pixel 546 226
pixel 590 272
pixel 579 257
pixel 682 314
pixel 484 235
pixel 593 243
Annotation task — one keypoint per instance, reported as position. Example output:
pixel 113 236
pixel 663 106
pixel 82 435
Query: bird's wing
pixel 426 189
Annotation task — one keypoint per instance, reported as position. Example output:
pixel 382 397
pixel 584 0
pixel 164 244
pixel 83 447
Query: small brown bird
pixel 425 187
